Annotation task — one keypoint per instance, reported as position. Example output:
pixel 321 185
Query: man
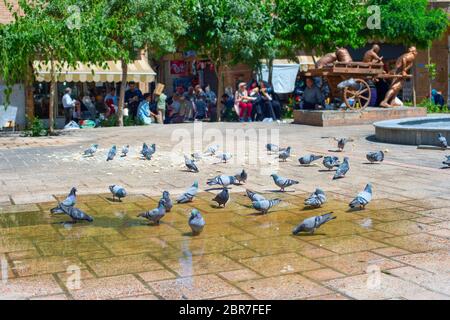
pixel 371 56
pixel 189 100
pixel 68 104
pixel 133 96
pixel 402 66
pixel 312 96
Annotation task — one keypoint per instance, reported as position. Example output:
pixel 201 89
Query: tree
pixel 408 22
pixel 227 32
pixel 141 24
pixel 46 31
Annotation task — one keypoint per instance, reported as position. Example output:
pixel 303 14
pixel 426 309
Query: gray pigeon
pixel 90 152
pixel 222 197
pixel 144 148
pixel 196 222
pixel 342 142
pixel 316 199
pixel 254 196
pixel 447 161
pixel 189 194
pixel 264 206
pixel 76 214
pixel 167 201
pixel 283 155
pixel 117 191
pixel 156 214
pixel 112 153
pixel 363 198
pixel 312 223
pixel 212 150
pixel 270 147
pixel 241 177
pixel 308 159
pixel 190 164
pixel 224 157
pixel 222 180
pixel 331 162
pixel 375 156
pixel 442 141
pixel 69 201
pixel 125 150
pixel 283 182
pixel 342 169
pixel 149 151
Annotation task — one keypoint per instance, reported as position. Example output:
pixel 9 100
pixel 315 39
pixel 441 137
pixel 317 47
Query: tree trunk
pixel 51 105
pixel 29 100
pixel 430 76
pixel 123 86
pixel 270 67
pixel 220 90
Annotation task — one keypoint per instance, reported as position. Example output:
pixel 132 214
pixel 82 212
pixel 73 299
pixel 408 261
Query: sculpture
pixel 402 66
pixel 343 55
pixel 371 56
pixel 326 59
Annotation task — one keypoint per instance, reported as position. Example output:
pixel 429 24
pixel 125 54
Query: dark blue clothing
pixel 133 106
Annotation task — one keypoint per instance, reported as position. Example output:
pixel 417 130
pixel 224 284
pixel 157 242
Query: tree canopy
pixel 408 22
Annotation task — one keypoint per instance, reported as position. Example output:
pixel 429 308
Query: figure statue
pixel 371 56
pixel 327 59
pixel 402 66
pixel 343 55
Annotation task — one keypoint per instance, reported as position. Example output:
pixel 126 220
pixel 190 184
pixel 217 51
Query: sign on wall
pixel 178 67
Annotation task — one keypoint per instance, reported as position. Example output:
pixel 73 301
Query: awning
pixel 138 71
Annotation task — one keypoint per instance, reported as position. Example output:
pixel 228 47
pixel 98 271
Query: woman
pixel 144 114
pixel 272 107
pixel 242 100
pixel 257 114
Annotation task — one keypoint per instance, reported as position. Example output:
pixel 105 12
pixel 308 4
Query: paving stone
pixel 346 244
pixel 28 287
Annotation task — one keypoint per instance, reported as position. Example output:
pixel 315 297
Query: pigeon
pixel 212 150
pixel 225 157
pixel 375 156
pixel 447 161
pixel 144 148
pixel 263 206
pixel 167 201
pixel 189 194
pixel 156 214
pixel 283 182
pixel 283 155
pixel 222 197
pixel 117 191
pixel 330 162
pixel 273 148
pixel 69 201
pixel 342 142
pixel 316 199
pixel 308 159
pixel 125 150
pixel 190 164
pixel 149 151
pixel 241 177
pixel 112 153
pixel 312 223
pixel 254 196
pixel 363 198
pixel 76 214
pixel 222 180
pixel 90 152
pixel 342 169
pixel 442 141
pixel 196 156
pixel 196 222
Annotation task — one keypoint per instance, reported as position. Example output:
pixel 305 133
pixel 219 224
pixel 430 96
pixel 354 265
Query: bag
pixel 72 125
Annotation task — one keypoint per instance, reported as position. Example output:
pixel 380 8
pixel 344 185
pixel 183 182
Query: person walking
pixel 68 104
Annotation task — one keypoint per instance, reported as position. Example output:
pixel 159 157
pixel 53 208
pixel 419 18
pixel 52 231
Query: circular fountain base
pixel 413 131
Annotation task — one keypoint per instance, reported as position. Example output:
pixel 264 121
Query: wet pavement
pixel 397 248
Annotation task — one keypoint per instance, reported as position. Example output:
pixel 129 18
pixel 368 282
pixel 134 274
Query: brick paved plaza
pixel 397 248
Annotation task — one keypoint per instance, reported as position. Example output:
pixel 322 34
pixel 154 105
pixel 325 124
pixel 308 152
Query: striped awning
pixel 138 71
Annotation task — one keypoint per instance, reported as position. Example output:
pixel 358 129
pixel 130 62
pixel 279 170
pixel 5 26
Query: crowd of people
pixel 254 101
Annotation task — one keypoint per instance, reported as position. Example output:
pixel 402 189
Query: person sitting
pixel 437 98
pixel 272 105
pixel 257 113
pixel 200 107
pixel 177 110
pixel 133 97
pixel 312 96
pixel 211 101
pixel 144 115
pixel 228 107
pixel 243 100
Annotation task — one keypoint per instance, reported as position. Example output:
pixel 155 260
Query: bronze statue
pixel 402 66
pixel 343 55
pixel 327 59
pixel 371 56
